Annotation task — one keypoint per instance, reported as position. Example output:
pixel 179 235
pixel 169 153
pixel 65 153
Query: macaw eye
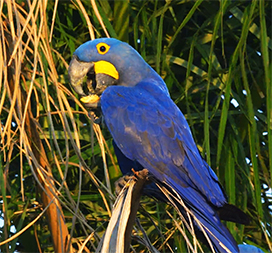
pixel 102 48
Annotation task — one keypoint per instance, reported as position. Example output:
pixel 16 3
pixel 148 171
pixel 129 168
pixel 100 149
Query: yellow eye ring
pixel 102 48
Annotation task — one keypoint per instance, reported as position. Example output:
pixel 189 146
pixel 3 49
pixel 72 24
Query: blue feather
pixel 164 145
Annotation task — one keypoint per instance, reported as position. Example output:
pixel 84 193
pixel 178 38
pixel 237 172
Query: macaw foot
pixel 121 182
pixel 141 176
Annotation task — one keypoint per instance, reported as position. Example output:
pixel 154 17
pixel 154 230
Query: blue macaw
pixel 149 130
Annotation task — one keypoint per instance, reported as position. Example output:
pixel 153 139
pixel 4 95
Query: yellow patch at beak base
pixel 90 99
pixel 105 67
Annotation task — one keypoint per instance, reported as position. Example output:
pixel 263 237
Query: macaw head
pixel 104 62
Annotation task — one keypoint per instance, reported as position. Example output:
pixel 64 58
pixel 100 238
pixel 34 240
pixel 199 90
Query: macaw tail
pixel 201 219
pixel 216 234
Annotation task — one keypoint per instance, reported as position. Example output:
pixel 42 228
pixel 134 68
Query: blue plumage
pixel 164 146
pixel 151 132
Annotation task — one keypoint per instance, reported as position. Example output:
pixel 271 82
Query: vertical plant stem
pixel 268 80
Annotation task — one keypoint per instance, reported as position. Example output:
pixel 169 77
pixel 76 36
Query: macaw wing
pixel 148 128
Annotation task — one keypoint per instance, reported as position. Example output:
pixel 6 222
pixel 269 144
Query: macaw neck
pixel 155 85
pixel 139 73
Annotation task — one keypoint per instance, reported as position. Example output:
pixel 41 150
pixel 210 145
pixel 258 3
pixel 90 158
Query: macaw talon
pixel 121 182
pixel 136 173
pixel 142 174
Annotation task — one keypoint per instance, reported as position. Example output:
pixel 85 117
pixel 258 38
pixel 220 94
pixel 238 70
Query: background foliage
pixel 215 57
